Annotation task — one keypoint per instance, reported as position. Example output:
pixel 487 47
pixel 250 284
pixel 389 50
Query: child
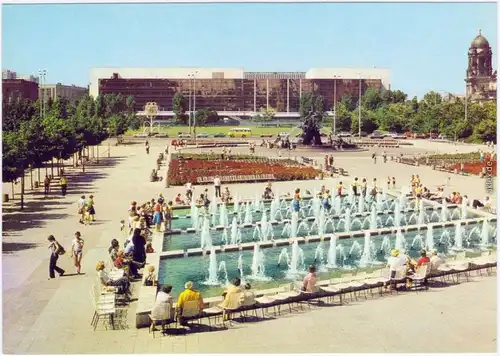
pixel 339 188
pixel 87 218
pixel 149 248
pixel 150 277
pixel 393 183
pixel 388 182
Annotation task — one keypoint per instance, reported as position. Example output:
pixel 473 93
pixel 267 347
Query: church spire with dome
pixel 480 78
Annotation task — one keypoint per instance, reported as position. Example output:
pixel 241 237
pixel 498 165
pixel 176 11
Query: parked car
pixel 162 135
pixel 202 135
pixel 443 137
pixel 420 135
pixel 220 134
pixel 266 135
pixel 434 135
pixel 283 135
pixel 344 134
pixel 376 135
pixel 184 135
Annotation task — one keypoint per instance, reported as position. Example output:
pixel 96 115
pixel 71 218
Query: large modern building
pixel 232 91
pixel 70 92
pixel 480 78
pixel 13 89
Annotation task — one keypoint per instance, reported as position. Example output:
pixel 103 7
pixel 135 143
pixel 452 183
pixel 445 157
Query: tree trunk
pixel 22 192
pixel 46 169
pixel 52 167
pixel 31 177
pixel 97 155
pixel 83 160
pixel 39 176
pixel 13 190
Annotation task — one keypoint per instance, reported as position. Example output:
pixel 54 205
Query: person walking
pixel 77 251
pixel 91 208
pixel 46 185
pixel 374 157
pixel 64 185
pixel 55 250
pixel 384 155
pixel 147 147
pixel 81 208
pixel 217 187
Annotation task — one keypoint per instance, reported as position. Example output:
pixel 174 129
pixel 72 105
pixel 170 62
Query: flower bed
pixel 475 167
pixel 190 167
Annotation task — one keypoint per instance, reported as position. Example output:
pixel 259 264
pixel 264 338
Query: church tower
pixel 480 77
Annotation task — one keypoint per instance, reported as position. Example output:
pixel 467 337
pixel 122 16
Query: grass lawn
pixel 173 131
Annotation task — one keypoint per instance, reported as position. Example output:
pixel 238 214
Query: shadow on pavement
pixel 13 247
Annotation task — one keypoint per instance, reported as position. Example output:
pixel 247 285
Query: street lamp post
pixel 42 75
pixel 359 105
pixel 189 111
pixel 466 99
pixel 194 104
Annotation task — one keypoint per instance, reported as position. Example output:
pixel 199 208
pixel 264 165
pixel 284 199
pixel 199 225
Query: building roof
pixel 480 41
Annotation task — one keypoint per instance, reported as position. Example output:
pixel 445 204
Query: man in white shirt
pixel 217 187
pixel 436 261
pixel 394 262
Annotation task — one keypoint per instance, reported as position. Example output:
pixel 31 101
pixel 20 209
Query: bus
pixel 240 132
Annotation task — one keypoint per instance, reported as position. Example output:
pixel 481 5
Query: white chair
pixel 190 310
pixel 102 310
pixel 168 318
pixel 333 287
pixel 418 278
pixel 358 283
pixel 290 291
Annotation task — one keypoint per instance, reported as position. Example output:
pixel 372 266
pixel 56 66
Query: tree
pixel 311 115
pixel 368 121
pixel 206 116
pixel 267 114
pixel 179 105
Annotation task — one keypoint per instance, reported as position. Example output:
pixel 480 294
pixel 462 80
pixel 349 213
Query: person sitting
pixel 423 258
pixel 394 263
pixel 248 295
pixel 163 304
pixel 226 196
pixel 131 267
pixel 232 294
pixel 121 283
pixel 451 198
pixel 268 193
pixel 458 198
pixel 178 200
pixel 113 249
pixel 189 294
pixel 200 200
pixel 435 262
pixel 309 281
pixel 150 279
pixel 149 248
pixel 153 177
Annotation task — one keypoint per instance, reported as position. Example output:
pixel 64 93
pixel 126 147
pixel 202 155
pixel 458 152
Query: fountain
pixel 194 215
pixel 355 248
pixel 366 256
pixel 380 202
pixel 419 241
pixel 294 225
pixel 258 265
pixel 315 206
pixel 336 205
pixel 284 254
pixel 296 261
pixel 429 239
pixel 235 232
pixel 458 236
pixel 213 278
pixel 421 213
pixel 206 238
pixel 400 241
pixel 403 200
pixel 332 253
pixel 213 211
pixel 223 219
pixel 347 220
pixel 361 204
pixel 248 213
pixel 319 255
pixel 385 248
pixel 444 211
pixel 373 218
pixel 240 268
pixel 225 238
pixel 236 206
pixel 275 205
pixel 384 194
pixel 223 269
pixel 485 233
pixel 463 210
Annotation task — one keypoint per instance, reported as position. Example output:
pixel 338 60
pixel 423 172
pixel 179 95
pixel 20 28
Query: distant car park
pixel 220 134
pixel 202 135
pixel 184 135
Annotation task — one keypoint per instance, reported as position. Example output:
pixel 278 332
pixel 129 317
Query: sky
pixel 424 44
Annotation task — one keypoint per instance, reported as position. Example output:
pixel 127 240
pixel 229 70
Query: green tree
pixel 206 116
pixel 180 105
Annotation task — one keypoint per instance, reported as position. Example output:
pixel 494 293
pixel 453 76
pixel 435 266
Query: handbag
pixel 60 250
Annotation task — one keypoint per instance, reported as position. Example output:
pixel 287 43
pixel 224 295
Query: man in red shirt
pixel 423 258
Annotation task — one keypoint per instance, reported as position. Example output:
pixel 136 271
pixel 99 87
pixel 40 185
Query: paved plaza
pixel 53 316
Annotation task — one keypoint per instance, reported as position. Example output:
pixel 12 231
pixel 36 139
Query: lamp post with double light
pixel 190 76
pixel 359 107
pixel 334 128
pixel 194 104
pixel 42 76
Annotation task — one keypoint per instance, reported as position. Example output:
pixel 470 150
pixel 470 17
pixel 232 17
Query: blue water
pixel 192 240
pixel 177 271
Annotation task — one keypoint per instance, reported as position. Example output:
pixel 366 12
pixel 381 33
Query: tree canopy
pixel 30 139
